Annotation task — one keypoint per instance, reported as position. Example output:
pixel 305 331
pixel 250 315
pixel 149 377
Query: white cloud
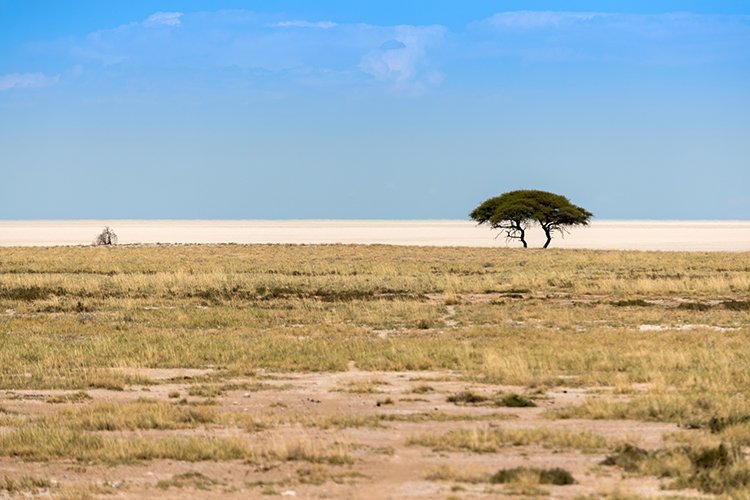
pixel 164 19
pixel 401 59
pixel 306 24
pixel 241 43
pixel 525 19
pixel 26 80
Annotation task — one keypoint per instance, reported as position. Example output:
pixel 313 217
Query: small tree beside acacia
pixel 106 237
pixel 512 213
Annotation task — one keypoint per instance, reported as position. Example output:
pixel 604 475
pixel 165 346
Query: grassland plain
pixel 373 371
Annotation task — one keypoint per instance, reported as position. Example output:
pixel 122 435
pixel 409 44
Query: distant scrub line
pixel 732 305
pixel 34 293
pixel 218 295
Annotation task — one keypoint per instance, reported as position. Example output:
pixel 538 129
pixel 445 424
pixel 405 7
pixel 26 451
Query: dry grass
pixel 140 415
pixel 194 480
pixel 472 475
pixel 83 491
pixel 75 397
pixel 24 485
pixel 718 469
pixel 667 331
pixel 690 408
pixel 519 481
pixel 363 386
pixel 489 441
pixel 233 272
pixel 41 443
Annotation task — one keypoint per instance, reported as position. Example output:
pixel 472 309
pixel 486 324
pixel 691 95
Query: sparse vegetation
pixel 133 416
pixel 691 409
pixel 466 397
pixel 515 401
pixel 694 306
pixel 41 443
pixel 556 476
pixel 490 441
pixel 75 397
pixel 107 237
pixel 459 474
pixel 319 474
pixel 631 303
pixel 720 469
pixel 644 337
pixel 206 391
pixel 363 386
pixel 23 485
pixel 188 480
pixel 737 305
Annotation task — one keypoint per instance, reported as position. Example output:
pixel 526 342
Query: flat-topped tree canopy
pixel 514 211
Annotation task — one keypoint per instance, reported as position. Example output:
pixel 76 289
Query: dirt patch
pixel 344 409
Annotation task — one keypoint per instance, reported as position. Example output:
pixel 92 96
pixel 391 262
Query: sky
pixel 222 109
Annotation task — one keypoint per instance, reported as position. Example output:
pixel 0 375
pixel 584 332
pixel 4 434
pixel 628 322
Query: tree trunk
pixel 522 236
pixel 547 232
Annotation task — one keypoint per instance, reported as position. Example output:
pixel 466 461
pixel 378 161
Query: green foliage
pixel 513 211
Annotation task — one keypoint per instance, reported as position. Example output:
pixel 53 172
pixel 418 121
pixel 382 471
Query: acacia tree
pixel 512 212
pixel 506 212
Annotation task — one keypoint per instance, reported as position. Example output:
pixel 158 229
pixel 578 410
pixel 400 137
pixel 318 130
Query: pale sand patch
pixel 602 234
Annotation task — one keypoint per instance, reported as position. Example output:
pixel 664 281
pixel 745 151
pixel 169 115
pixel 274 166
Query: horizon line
pixel 329 219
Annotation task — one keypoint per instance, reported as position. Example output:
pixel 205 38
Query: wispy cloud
pixel 164 19
pixel 248 48
pixel 663 39
pixel 306 24
pixel 26 80
pixel 526 19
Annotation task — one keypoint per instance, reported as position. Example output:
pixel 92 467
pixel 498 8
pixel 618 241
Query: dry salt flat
pixel 601 234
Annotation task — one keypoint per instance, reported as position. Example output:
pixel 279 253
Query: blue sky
pixel 341 109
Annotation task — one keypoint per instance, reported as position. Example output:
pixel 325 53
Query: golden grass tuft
pixel 472 475
pixel 44 444
pixel 493 440
pixel 24 485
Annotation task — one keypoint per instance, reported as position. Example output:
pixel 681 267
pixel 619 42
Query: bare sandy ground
pixel 602 234
pixel 384 464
